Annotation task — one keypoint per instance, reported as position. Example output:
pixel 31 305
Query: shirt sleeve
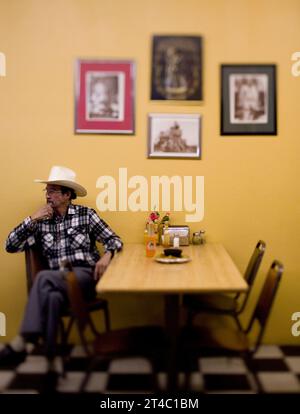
pixel 21 237
pixel 104 234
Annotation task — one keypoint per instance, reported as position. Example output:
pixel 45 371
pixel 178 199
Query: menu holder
pixel 182 231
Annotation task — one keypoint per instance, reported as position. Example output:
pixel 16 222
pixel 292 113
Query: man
pixel 65 233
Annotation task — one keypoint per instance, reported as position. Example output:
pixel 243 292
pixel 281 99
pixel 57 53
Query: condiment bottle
pixel 166 236
pixel 150 240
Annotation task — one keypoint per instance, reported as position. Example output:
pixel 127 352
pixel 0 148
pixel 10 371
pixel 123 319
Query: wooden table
pixel 211 269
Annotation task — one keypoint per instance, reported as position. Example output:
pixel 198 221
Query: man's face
pixel 55 197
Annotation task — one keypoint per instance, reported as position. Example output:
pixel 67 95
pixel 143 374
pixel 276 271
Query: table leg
pixel 172 325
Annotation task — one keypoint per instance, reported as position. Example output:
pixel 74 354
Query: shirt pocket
pixel 78 237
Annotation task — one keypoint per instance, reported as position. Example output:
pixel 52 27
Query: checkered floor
pixel 278 370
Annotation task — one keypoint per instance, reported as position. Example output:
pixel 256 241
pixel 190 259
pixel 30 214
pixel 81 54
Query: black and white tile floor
pixel 277 367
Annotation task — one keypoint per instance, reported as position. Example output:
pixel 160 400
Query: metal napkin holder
pixel 183 232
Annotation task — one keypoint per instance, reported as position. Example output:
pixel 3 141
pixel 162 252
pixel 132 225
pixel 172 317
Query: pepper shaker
pixel 202 237
pixel 199 237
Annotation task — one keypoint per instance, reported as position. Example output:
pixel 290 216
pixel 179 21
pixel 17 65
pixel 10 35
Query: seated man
pixel 64 232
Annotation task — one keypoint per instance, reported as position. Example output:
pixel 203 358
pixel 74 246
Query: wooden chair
pixel 35 262
pixel 207 341
pixel 225 304
pixel 148 341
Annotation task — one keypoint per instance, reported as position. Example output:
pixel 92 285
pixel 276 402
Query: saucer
pixel 171 259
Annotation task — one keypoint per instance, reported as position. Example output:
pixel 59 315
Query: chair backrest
pixel 254 262
pixel 34 263
pixel 252 269
pixel 265 301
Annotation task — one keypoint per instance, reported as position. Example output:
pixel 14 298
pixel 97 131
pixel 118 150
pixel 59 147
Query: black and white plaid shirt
pixel 72 237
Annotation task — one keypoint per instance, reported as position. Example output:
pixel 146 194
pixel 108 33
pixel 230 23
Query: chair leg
pixel 154 367
pixel 249 359
pixel 257 383
pixel 190 318
pixel 106 318
pixel 236 318
pixel 187 373
pixel 87 374
pixel 189 363
pixel 64 343
pixel 69 327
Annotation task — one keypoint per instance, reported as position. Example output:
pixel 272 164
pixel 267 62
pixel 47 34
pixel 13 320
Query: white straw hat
pixel 65 177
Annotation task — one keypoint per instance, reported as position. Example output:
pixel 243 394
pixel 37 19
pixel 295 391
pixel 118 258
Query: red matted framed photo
pixel 104 97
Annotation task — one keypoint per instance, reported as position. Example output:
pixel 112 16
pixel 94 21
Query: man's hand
pixel 45 212
pixel 102 265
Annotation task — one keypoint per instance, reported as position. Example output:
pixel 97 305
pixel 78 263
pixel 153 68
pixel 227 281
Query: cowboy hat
pixel 65 177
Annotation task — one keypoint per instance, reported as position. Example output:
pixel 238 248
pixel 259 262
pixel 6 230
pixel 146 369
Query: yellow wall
pixel 251 183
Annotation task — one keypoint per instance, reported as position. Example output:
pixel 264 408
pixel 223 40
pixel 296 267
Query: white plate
pixel 167 259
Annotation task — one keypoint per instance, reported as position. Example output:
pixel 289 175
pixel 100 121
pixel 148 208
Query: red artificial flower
pixel 154 216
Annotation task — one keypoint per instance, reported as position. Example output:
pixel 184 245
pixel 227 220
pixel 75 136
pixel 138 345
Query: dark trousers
pixel 48 300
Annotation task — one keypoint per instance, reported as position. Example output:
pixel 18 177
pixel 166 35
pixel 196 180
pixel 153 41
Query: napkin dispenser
pixel 183 232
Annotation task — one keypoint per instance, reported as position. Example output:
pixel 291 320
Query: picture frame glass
pixel 176 68
pixel 174 136
pixel 104 97
pixel 248 100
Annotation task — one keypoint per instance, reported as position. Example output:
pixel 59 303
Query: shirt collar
pixel 71 209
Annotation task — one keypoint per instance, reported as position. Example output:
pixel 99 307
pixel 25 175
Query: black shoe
pixel 9 357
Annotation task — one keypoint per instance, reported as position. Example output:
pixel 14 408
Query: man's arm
pixel 110 240
pixel 102 265
pixel 23 235
pixel 104 234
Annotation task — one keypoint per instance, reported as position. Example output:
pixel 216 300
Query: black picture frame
pixel 248 100
pixel 176 68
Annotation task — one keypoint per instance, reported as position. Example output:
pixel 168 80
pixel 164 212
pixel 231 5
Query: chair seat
pixel 136 340
pixel 211 303
pixel 200 338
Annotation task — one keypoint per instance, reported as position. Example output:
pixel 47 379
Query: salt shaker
pixel 176 241
pixel 196 238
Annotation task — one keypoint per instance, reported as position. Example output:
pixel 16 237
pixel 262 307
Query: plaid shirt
pixel 72 237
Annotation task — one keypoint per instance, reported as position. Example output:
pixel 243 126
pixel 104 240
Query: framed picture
pixel 176 68
pixel 104 92
pixel 248 100
pixel 174 136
